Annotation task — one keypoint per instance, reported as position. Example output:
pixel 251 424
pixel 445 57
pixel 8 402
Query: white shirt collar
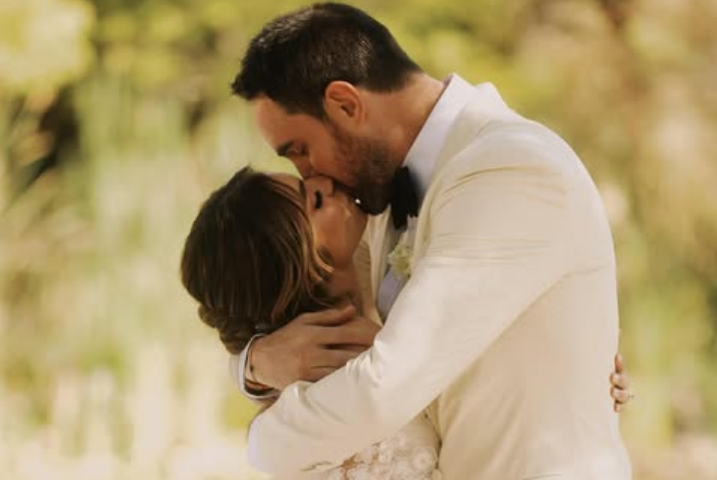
pixel 426 148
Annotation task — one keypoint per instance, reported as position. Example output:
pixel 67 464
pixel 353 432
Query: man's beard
pixel 372 168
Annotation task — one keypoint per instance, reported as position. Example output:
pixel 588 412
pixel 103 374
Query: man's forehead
pixel 273 120
pixel 278 126
pixel 266 112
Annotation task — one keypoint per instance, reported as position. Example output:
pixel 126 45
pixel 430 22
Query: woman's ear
pixel 344 104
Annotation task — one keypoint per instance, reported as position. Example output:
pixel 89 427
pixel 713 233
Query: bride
pixel 264 249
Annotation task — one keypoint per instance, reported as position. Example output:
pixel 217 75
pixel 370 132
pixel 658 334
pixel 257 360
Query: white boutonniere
pixel 400 260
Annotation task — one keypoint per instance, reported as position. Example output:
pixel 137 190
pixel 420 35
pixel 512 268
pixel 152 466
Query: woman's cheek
pixel 326 232
pixel 337 235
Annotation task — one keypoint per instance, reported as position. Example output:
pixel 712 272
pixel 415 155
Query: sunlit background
pixel 116 121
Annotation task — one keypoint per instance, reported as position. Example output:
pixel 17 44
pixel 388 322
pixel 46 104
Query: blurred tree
pixel 116 120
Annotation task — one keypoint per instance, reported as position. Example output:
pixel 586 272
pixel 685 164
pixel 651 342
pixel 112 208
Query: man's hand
pixel 311 346
pixel 620 391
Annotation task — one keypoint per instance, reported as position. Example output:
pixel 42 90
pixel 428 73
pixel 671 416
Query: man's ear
pixel 344 104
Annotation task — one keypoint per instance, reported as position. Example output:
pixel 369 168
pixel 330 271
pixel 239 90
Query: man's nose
pixel 305 169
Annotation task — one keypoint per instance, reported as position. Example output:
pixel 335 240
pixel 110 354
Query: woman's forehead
pixel 287 179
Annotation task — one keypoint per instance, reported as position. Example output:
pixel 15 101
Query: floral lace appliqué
pixel 412 454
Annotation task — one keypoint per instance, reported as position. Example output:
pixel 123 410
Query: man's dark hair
pixel 296 56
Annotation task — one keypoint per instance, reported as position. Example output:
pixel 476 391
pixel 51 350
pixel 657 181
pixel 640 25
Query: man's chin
pixel 372 199
pixel 373 206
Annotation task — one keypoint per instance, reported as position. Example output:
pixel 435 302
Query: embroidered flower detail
pixel 424 459
pixel 337 474
pixel 400 259
pixel 400 441
pixel 381 471
pixel 402 470
pixel 359 473
pixel 385 453
pixel 366 456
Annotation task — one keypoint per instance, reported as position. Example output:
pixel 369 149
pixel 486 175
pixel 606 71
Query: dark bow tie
pixel 404 199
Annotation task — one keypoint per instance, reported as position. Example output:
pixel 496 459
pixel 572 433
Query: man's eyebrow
pixel 283 149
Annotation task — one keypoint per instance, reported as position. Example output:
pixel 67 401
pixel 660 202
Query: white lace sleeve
pixel 412 454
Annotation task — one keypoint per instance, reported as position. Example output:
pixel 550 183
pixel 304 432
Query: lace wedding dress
pixel 411 454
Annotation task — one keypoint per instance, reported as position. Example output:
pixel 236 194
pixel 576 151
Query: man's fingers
pixel 351 347
pixel 329 317
pixel 335 358
pixel 358 332
pixel 325 361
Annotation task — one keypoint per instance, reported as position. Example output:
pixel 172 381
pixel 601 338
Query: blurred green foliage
pixel 116 120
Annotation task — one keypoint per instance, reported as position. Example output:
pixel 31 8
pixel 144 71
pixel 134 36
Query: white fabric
pixel 426 148
pixel 506 329
pixel 412 454
pixel 237 364
pixel 391 286
pixel 420 160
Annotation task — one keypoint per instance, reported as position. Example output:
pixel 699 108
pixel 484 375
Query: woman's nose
pixel 324 185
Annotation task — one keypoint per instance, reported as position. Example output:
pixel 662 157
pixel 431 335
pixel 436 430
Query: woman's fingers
pixel 620 396
pixel 620 391
pixel 620 381
pixel 619 364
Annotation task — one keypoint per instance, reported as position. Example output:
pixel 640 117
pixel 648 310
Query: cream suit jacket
pixel 506 329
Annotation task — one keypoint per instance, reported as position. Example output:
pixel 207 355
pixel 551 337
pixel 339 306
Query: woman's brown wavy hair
pixel 251 260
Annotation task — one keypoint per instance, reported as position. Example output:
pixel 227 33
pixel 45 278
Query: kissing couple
pixel 434 297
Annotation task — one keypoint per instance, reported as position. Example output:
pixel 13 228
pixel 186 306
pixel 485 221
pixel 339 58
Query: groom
pixel 506 324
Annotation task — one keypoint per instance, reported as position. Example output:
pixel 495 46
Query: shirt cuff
pixel 237 365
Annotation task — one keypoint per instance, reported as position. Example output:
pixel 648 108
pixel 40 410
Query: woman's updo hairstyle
pixel 250 259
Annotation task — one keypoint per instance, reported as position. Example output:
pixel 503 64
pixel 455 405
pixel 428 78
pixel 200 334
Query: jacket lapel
pixel 467 126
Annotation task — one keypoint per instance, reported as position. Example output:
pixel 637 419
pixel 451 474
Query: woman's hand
pixel 620 385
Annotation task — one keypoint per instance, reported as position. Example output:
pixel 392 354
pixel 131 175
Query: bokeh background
pixel 116 121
